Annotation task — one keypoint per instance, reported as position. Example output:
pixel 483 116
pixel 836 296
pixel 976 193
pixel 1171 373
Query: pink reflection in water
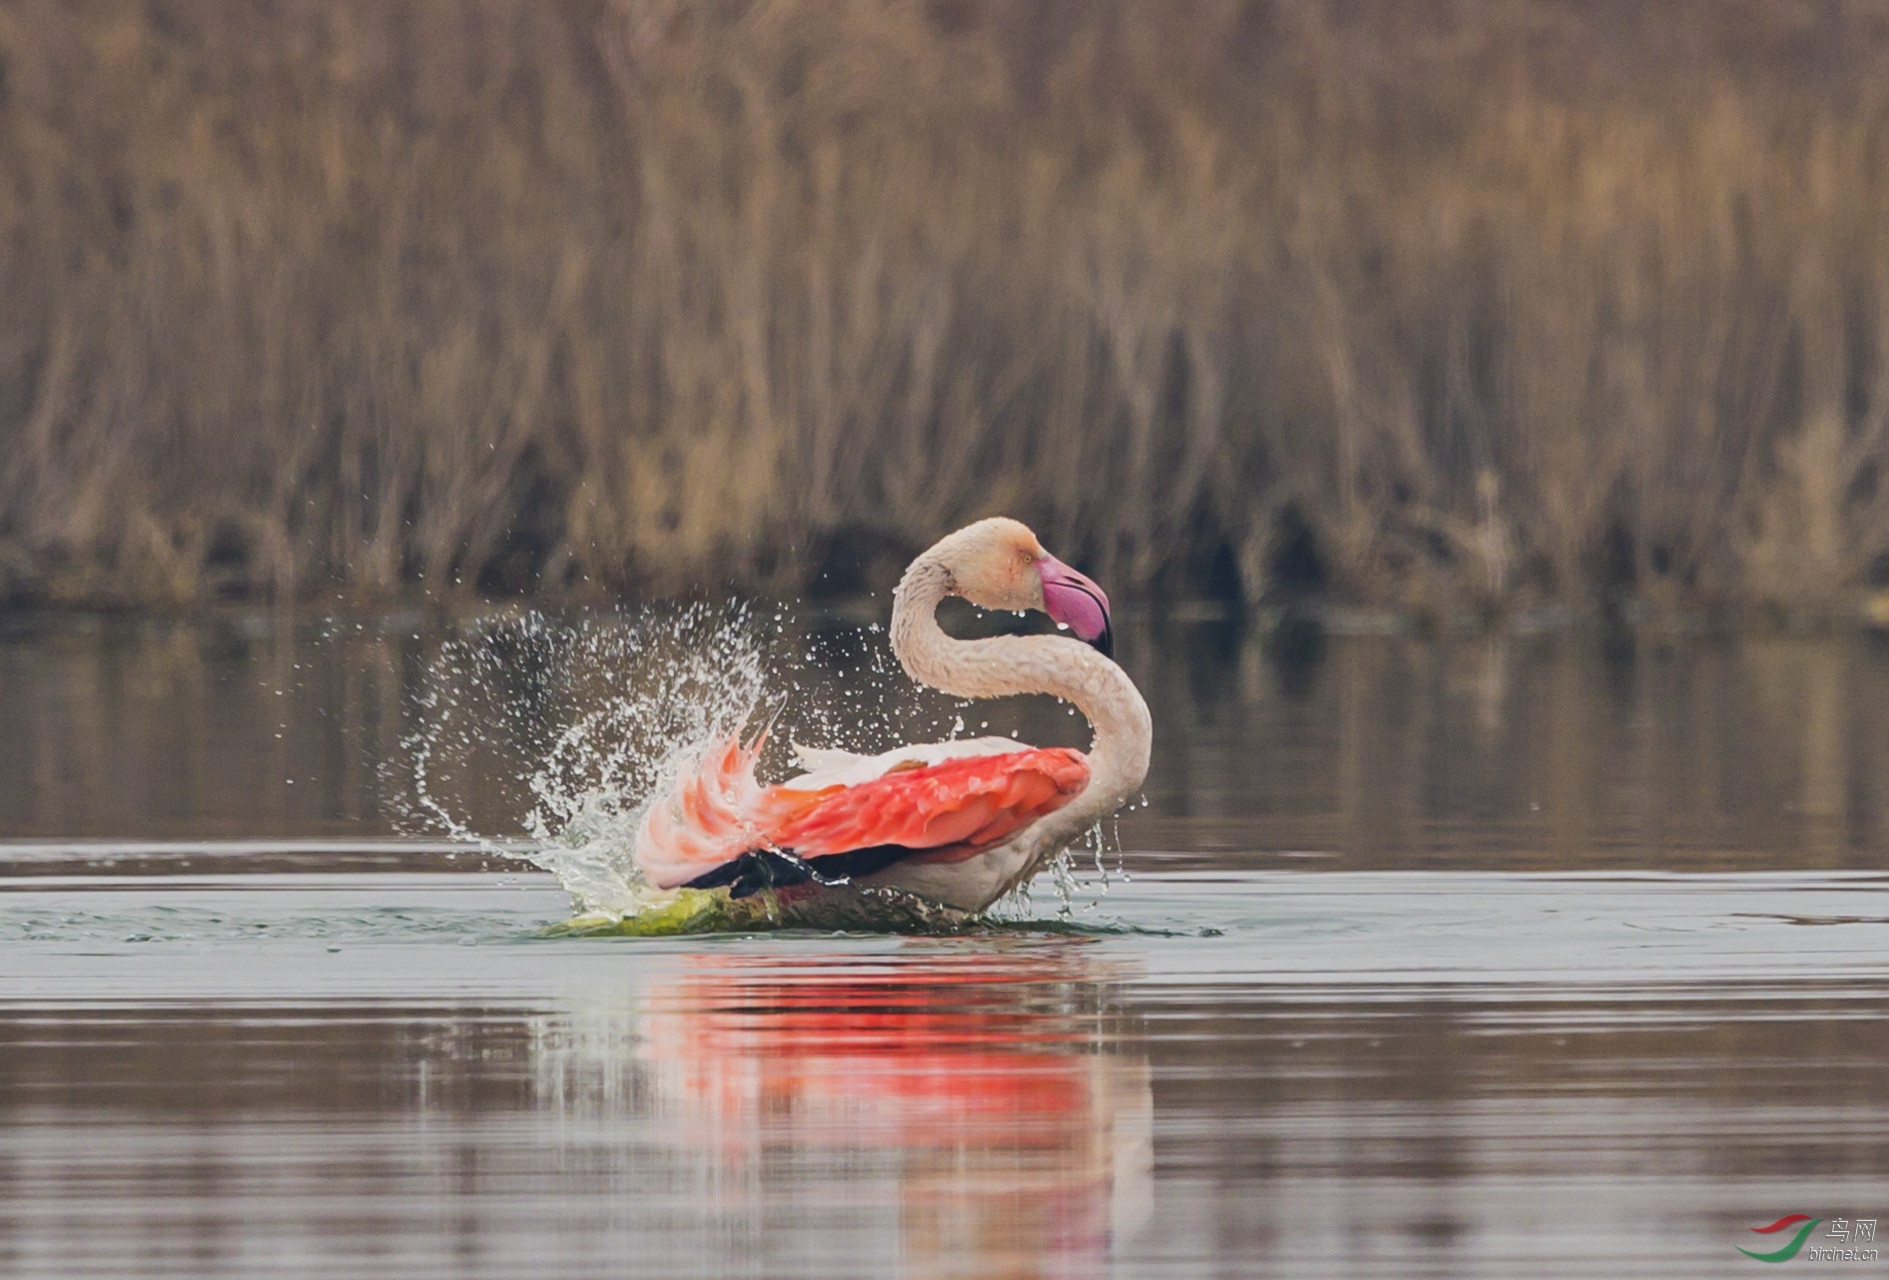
pixel 1020 1131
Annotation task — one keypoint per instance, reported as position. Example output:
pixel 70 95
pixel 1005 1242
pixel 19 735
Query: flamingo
pixel 957 823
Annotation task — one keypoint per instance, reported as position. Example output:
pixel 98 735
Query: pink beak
pixel 1074 600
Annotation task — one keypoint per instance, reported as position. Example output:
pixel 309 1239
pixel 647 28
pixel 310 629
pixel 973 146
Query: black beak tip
pixel 1105 643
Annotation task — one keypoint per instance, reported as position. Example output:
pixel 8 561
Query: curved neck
pixel 1056 665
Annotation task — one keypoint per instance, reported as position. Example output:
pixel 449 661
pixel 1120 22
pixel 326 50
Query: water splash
pixel 1080 890
pixel 545 739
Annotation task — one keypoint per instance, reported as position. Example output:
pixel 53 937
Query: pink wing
pixel 705 820
pixel 977 801
pixel 954 808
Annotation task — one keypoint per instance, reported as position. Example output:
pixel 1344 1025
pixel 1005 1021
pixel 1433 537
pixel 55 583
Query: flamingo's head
pixel 999 564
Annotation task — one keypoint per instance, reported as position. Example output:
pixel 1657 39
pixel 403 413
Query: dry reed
pixel 1468 304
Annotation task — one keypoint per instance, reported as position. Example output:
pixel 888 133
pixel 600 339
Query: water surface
pixel 1453 958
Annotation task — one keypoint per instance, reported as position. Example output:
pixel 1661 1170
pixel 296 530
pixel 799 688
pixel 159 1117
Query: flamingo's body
pixel 951 809
pixel 960 822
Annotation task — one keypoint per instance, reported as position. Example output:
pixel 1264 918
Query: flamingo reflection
pixel 992 1087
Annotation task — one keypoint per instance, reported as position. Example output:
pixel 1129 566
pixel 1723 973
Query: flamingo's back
pixel 949 809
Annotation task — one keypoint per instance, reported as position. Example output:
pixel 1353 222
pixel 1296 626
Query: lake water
pixel 1458 957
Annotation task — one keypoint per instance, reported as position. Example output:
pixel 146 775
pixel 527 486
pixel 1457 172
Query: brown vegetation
pixel 1456 304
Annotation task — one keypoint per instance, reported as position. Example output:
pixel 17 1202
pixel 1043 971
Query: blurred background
pixel 1464 308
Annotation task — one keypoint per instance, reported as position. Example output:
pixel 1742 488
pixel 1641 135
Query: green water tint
pixel 844 909
pixel 828 909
